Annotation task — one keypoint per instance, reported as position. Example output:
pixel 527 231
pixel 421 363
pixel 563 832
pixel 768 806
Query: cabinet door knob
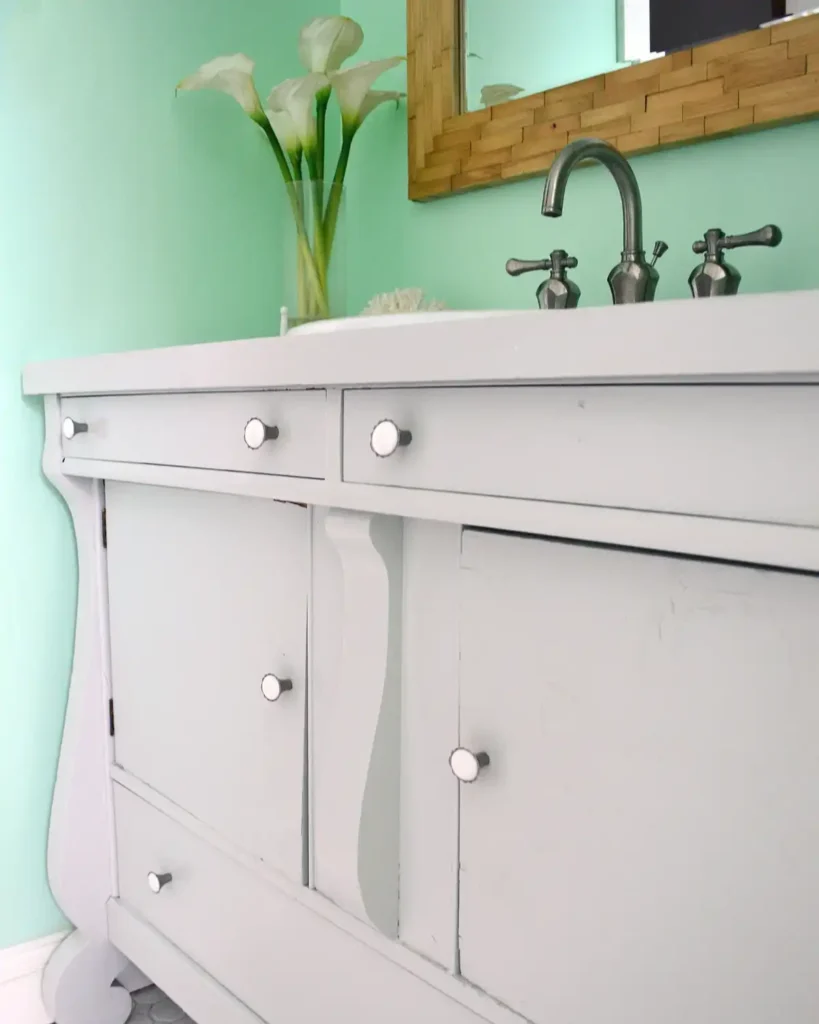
pixel 257 432
pixel 273 687
pixel 465 765
pixel 71 428
pixel 156 883
pixel 387 438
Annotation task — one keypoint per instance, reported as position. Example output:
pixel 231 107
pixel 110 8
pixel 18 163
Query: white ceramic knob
pixel 465 765
pixel 257 432
pixel 71 428
pixel 273 687
pixel 387 437
pixel 156 883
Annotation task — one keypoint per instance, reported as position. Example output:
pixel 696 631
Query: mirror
pixel 497 88
pixel 515 48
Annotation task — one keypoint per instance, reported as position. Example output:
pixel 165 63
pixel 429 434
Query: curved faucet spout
pixel 602 152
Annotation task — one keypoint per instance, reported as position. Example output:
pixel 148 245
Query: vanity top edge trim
pixel 770 338
pixel 760 379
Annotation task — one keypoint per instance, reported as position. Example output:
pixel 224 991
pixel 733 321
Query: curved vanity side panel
pixel 77 984
pixel 80 839
pixel 356 757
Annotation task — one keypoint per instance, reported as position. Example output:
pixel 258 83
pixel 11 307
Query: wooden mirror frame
pixel 759 79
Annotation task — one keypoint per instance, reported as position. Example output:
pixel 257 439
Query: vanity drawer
pixel 202 430
pixel 638 447
pixel 276 955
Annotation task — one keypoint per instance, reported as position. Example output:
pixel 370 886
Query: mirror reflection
pixel 514 48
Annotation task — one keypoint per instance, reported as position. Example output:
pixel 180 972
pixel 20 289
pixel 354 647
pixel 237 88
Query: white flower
pixel 375 98
pixel 325 43
pixel 492 94
pixel 295 99
pixel 352 87
pixel 283 125
pixel 233 75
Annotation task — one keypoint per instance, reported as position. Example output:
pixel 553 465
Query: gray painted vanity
pixel 589 569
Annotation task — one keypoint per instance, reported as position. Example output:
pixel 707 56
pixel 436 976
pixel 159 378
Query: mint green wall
pixel 560 42
pixel 129 219
pixel 456 248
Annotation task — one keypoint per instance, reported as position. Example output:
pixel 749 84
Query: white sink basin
pixel 395 319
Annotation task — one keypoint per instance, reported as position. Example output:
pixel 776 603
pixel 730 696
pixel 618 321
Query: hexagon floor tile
pixel 153 1007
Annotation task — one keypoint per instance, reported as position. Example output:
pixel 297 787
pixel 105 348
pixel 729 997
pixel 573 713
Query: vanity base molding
pixel 208 1002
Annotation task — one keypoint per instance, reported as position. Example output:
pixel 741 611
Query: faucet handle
pixel 560 260
pixel 557 262
pixel 558 292
pixel 715 277
pixel 517 267
pixel 660 249
pixel 770 236
pixel 715 240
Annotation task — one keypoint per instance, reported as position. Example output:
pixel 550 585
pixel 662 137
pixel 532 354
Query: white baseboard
pixel 21 972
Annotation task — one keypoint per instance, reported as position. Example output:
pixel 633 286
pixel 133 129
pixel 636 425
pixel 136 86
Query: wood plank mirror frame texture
pixel 759 79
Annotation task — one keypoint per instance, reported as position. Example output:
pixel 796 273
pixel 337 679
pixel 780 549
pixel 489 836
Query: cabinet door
pixel 643 846
pixel 207 597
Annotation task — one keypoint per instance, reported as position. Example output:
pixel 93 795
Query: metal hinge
pixel 111 716
pixel 105 528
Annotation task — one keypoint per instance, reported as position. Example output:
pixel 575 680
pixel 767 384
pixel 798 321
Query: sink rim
pixel 396 319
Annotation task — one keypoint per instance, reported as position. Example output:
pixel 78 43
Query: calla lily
pixel 233 75
pixel 375 98
pixel 492 94
pixel 283 125
pixel 352 88
pixel 295 98
pixel 325 43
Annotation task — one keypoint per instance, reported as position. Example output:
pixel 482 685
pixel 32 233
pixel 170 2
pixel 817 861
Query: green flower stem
pixel 319 247
pixel 322 100
pixel 314 285
pixel 278 152
pixel 304 300
pixel 334 203
pixel 293 189
pixel 313 280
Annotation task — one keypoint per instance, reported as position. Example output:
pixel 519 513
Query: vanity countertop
pixel 750 339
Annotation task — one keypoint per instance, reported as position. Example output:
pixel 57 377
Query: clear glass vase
pixel 314 278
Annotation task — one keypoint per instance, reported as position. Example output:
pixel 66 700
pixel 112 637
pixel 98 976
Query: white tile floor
pixel 153 1007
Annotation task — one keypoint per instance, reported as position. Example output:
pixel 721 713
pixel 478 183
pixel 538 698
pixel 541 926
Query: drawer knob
pixel 156 883
pixel 71 428
pixel 257 432
pixel 387 438
pixel 273 687
pixel 465 765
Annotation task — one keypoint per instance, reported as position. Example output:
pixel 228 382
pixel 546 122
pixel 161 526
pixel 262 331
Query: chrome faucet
pixel 633 279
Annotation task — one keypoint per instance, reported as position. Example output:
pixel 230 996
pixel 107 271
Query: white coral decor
pixel 406 300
